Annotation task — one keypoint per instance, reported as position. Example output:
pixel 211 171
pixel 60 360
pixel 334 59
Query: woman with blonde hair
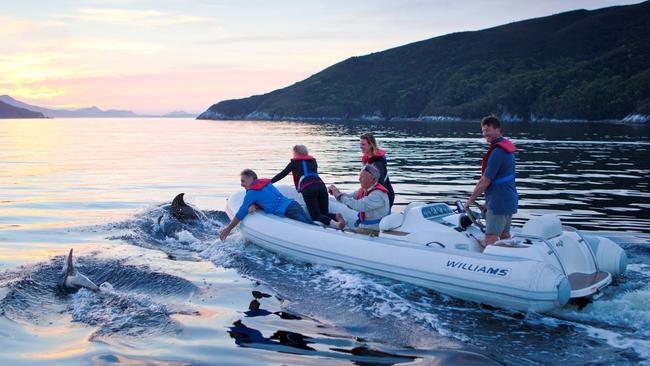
pixel 372 154
pixel 304 169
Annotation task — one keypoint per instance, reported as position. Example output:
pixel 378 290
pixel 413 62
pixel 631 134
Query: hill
pixel 61 113
pixel 9 111
pixel 587 65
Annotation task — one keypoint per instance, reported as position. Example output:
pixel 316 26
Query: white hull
pixel 506 281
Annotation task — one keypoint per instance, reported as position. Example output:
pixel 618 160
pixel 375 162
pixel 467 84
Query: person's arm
pixel 225 232
pixel 283 173
pixel 493 165
pixel 481 186
pixel 249 200
pixel 334 191
pixel 367 203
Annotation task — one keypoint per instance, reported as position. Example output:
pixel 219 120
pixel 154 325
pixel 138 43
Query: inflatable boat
pixel 541 268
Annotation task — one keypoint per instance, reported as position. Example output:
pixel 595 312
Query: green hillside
pixel 590 65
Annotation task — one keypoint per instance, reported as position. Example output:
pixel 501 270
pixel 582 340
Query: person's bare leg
pixel 490 239
pixel 505 235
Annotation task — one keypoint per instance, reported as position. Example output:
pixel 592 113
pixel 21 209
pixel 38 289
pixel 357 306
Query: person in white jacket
pixel 370 201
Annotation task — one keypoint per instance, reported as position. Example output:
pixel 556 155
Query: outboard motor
pixel 464 222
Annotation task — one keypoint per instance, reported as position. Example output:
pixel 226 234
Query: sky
pixel 154 57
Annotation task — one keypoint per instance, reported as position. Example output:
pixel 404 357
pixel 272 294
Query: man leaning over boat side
pixel 371 200
pixel 497 181
pixel 262 193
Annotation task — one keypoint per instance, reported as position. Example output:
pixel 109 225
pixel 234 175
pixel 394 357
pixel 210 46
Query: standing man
pixel 497 181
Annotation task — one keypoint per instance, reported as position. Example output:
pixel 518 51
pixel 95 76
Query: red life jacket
pixel 303 157
pixel 363 193
pixel 260 183
pixel 378 154
pixel 296 178
pixel 506 145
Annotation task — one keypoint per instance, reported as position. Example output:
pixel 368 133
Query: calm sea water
pixel 100 186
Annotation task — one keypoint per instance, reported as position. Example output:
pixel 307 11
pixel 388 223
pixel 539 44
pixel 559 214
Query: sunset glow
pixel 155 57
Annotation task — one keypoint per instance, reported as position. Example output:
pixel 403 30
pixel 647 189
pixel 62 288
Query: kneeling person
pixel 262 193
pixel 370 201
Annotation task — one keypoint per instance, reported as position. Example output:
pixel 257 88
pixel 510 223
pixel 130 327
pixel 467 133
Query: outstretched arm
pixel 249 200
pixel 283 173
pixel 225 232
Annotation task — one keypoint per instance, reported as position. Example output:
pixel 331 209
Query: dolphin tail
pixel 70 271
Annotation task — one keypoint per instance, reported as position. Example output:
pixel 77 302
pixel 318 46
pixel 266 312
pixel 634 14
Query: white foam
pixel 629 310
pixel 109 308
pixel 640 346
pixel 185 236
pixel 107 288
pixel 638 267
pixel 384 300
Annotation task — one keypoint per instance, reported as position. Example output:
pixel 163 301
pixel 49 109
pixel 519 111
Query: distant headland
pixel 9 111
pixel 65 113
pixel 12 108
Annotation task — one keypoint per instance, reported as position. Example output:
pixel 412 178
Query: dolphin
pixel 73 280
pixel 181 210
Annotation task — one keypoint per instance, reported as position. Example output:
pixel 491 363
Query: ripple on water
pixel 133 301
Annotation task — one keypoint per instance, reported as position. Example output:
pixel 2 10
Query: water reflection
pixel 285 341
pixel 331 347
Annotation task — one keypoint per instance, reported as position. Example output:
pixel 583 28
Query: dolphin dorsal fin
pixel 178 200
pixel 70 267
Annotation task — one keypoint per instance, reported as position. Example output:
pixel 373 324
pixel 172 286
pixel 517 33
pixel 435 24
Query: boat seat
pixel 545 227
pixel 411 206
pixel 391 221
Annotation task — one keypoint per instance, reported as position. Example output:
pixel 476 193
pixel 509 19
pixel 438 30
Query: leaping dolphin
pixel 73 280
pixel 181 210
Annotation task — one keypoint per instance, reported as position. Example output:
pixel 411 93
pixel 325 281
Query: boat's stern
pixel 588 263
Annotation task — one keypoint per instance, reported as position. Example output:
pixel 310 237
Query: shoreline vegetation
pixel 577 66
pixel 630 119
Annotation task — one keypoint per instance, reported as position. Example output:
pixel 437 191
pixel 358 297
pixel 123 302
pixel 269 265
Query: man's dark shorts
pixel 497 224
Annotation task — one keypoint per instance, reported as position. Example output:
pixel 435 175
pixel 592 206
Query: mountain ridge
pixel 67 113
pixel 9 111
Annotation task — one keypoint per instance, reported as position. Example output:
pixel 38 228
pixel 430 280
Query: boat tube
pixel 541 268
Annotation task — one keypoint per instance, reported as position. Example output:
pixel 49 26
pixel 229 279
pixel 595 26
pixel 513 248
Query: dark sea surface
pixel 103 187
